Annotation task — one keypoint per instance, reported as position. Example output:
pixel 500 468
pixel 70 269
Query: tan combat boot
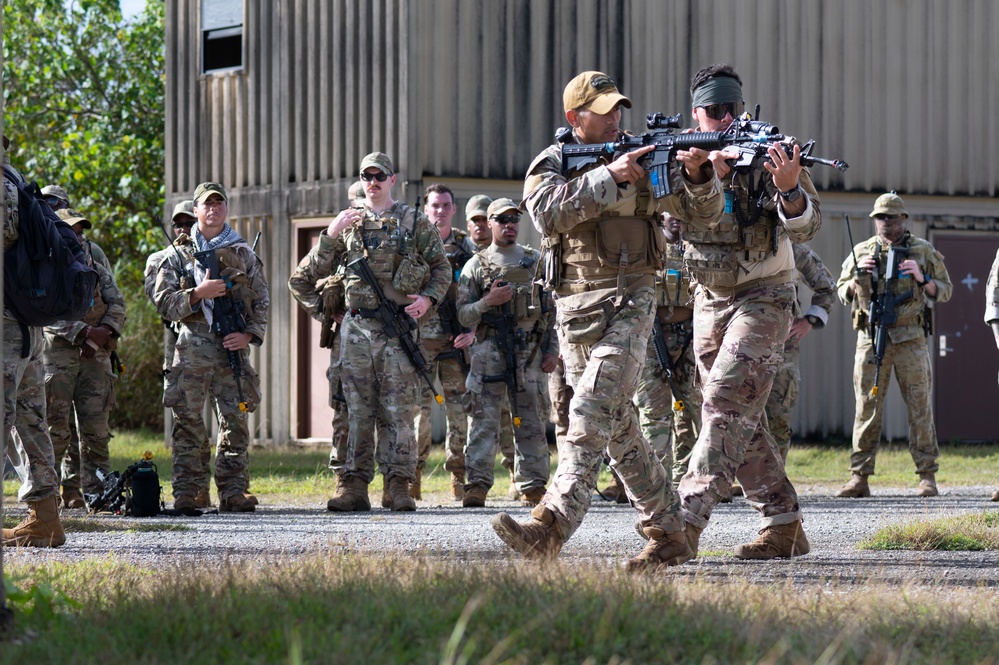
pixel 398 488
pixel 415 488
pixel 662 549
pixel 538 539
pixel 41 528
pixel 72 497
pixel 927 485
pixel 475 497
pixel 457 486
pixel 514 492
pixel 185 503
pixel 782 541
pixel 532 497
pixel 240 503
pixel 855 489
pixel 351 496
pixel 386 497
pixel 203 499
pixel 693 533
pixel 614 491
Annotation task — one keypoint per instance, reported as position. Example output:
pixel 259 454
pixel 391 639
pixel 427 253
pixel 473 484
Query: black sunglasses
pixel 380 177
pixel 506 219
pixel 886 218
pixel 52 200
pixel 718 111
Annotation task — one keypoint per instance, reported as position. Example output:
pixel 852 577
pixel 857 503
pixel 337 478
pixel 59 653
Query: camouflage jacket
pixel 814 273
pixel 992 293
pixel 459 249
pixel 107 309
pixel 914 313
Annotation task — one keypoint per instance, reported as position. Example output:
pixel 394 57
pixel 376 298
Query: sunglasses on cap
pixel 506 219
pixel 881 217
pixel 53 200
pixel 380 177
pixel 718 111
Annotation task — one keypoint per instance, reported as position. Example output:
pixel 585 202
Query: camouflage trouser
pixel 670 433
pixel 603 420
pixel 88 386
pixel 382 389
pixel 202 472
pixel 452 380
pixel 506 446
pixel 201 371
pixel 911 362
pixel 484 402
pixel 739 342
pixel 341 416
pixel 783 397
pixel 28 444
pixel 561 395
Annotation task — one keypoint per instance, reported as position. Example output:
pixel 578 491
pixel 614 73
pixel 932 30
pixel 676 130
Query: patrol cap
pixel 206 189
pixel 889 204
pixel 183 209
pixel 356 191
pixel 71 217
pixel 477 205
pixel 56 191
pixel 378 160
pixel 500 206
pixel 594 91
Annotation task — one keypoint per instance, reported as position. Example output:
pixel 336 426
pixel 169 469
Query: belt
pixel 783 277
pixel 571 288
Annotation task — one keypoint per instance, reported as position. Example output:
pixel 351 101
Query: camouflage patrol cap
pixel 500 206
pixel 56 191
pixel 594 91
pixel 378 160
pixel 206 189
pixel 183 209
pixel 356 192
pixel 71 217
pixel 476 206
pixel 889 204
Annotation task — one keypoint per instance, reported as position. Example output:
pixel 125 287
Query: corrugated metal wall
pixel 469 92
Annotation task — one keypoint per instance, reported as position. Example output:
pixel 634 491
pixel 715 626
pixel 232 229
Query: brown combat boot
pixel 514 492
pixel 995 495
pixel 241 503
pixel 415 488
pixel 72 497
pixel 398 488
pixel 532 497
pixel 614 491
pixel 928 485
pixel 386 497
pixel 782 541
pixel 855 489
pixel 203 499
pixel 538 539
pixel 185 503
pixel 662 550
pixel 475 497
pixel 457 486
pixel 41 528
pixel 351 496
pixel 693 533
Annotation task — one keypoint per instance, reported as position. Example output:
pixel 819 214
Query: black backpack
pixel 46 276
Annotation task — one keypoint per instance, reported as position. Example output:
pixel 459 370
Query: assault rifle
pixel 396 323
pixel 227 318
pixel 112 498
pixel 750 138
pixel 883 313
pixel 508 338
pixel 665 361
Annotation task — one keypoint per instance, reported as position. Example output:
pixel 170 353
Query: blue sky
pixel 130 8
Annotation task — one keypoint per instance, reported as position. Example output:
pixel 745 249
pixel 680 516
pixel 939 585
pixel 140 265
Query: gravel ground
pixel 607 537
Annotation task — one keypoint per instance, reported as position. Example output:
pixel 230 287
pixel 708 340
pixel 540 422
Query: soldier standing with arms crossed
pixel 605 304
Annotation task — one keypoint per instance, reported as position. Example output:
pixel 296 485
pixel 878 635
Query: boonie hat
pixel 499 206
pixel 889 204
pixel 594 91
pixel 71 217
pixel 378 160
pixel 477 205
pixel 206 189
pixel 183 209
pixel 56 191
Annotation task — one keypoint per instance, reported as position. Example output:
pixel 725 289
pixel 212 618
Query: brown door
pixel 314 413
pixel 966 361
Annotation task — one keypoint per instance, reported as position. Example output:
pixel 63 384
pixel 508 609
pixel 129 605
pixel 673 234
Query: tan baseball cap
pixel 378 160
pixel 500 206
pixel 594 91
pixel 56 191
pixel 476 206
pixel 71 217
pixel 889 204
pixel 183 209
pixel 356 192
pixel 206 189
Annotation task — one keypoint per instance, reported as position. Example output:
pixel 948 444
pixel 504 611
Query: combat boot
pixel 41 528
pixel 398 488
pixel 475 497
pixel 856 488
pixel 532 497
pixel 415 487
pixel 514 492
pixel 185 503
pixel 203 499
pixel 457 486
pixel 72 497
pixel 386 497
pixel 614 491
pixel 781 541
pixel 240 503
pixel 539 539
pixel 927 485
pixel 662 549
pixel 351 496
pixel 693 533
pixel 995 495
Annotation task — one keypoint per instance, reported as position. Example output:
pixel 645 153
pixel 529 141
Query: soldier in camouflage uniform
pixel 784 394
pixel 497 290
pixel 445 340
pixel 201 366
pixel 923 278
pixel 381 384
pixel 992 313
pixel 30 449
pixel 603 229
pixel 742 262
pixel 79 376
pixel 669 409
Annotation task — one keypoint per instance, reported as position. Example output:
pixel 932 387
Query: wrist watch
pixel 791 196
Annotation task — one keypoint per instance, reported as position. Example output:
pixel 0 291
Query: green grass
pixel 962 533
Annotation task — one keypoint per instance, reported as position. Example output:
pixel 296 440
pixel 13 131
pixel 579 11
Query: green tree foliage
pixel 84 109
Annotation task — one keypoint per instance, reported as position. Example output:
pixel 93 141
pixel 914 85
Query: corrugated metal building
pixel 279 101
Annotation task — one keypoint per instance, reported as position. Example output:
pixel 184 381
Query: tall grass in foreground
pixel 343 608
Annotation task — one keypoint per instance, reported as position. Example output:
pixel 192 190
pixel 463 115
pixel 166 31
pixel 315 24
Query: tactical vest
pixel 99 308
pixel 912 312
pixel 673 282
pixel 525 304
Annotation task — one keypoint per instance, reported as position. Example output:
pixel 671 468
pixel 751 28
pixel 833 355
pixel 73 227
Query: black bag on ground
pixel 46 276
pixel 145 490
